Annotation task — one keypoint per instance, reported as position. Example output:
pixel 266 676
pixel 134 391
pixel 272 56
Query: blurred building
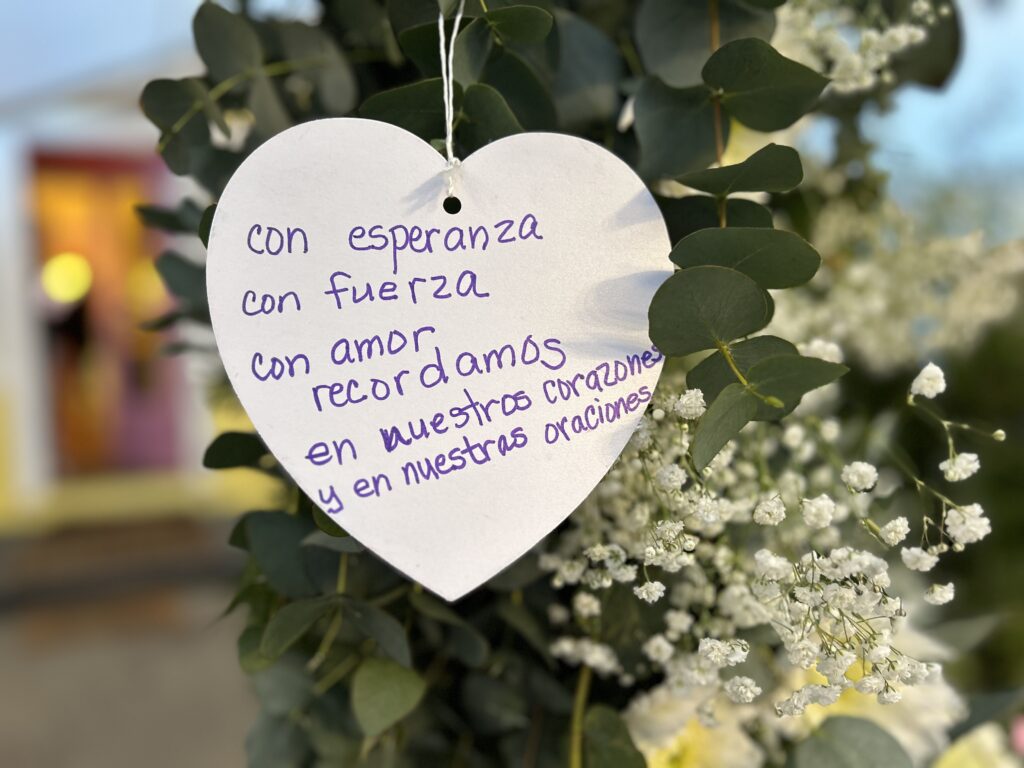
pixel 96 423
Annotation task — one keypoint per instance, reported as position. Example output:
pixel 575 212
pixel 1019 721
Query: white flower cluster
pixel 889 294
pixel 765 538
pixel 854 49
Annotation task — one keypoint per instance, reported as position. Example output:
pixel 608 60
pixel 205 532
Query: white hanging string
pixel 448 88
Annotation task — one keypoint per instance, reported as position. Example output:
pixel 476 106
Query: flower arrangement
pixel 745 585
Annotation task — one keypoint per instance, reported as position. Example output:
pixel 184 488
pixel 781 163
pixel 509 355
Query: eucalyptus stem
pixel 335 626
pixel 578 708
pixel 716 106
pixel 774 402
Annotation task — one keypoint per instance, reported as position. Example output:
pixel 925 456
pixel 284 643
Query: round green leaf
pixel 675 129
pixel 226 42
pixel 586 83
pixel 383 693
pixel 849 742
pixel 234 449
pixel 674 38
pixel 773 168
pixel 760 87
pixel 517 81
pixel 773 258
pixel 291 622
pixel 520 23
pixel 419 108
pixel 699 308
pixel 486 116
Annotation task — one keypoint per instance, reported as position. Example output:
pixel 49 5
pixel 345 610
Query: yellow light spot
pixel 66 277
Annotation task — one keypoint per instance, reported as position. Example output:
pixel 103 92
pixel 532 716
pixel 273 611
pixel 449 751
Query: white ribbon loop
pixel 448 88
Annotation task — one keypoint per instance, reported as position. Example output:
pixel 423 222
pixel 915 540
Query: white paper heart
pixel 569 247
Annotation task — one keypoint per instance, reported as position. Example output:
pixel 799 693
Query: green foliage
pixel 772 258
pixel 383 693
pixel 849 742
pixel 675 129
pixel 702 307
pixel 353 663
pixel 773 168
pixel 234 449
pixel 760 87
pixel 673 37
pixel 606 741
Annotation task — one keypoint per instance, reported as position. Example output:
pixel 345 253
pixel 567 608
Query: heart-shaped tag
pixel 447 386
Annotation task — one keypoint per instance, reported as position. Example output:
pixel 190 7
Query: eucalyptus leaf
pixel 790 377
pixel 270 116
pixel 274 741
pixel 183 278
pixel 419 107
pixel 380 625
pixel 234 449
pixel 184 218
pixel 760 87
pixel 773 258
pixel 520 23
pixel 493 705
pixel 473 49
pixel 849 742
pixel 326 67
pixel 205 223
pixel 773 168
pixel 226 42
pixel 521 87
pixel 674 38
pixel 274 541
pixel 586 82
pixel 291 622
pixel 383 693
pixel 686 215
pixel 713 373
pixel 702 307
pixel 606 741
pixel 180 109
pixel 723 420
pixel 675 129
pixel 485 117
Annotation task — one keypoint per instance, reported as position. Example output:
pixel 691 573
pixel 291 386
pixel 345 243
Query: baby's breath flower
pixel 650 591
pixel 895 531
pixel 742 690
pixel 818 511
pixel 586 605
pixel 939 594
pixel 960 467
pixel 658 649
pixel 770 511
pixel 967 524
pixel 671 477
pixel 916 559
pixel 723 653
pixel 930 382
pixel 690 405
pixel 860 476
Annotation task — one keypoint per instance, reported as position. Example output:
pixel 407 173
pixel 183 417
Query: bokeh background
pixel 114 567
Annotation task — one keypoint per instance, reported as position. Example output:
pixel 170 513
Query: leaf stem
pixel 225 86
pixel 578 708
